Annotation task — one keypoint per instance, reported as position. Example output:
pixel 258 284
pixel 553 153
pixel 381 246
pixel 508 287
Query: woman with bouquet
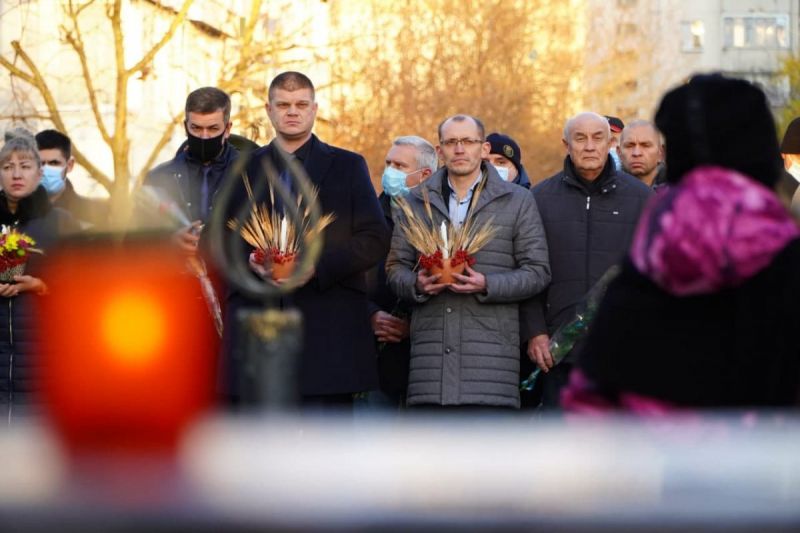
pixel 29 220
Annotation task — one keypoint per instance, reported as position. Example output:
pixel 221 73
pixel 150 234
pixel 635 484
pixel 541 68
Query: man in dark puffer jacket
pixel 589 211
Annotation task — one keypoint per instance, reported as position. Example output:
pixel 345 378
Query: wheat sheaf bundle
pixel 427 238
pixel 271 231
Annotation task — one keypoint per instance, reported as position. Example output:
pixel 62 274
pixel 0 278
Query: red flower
pixel 277 257
pixel 429 261
pixel 462 257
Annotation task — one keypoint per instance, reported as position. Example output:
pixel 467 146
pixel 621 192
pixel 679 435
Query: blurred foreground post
pixel 266 340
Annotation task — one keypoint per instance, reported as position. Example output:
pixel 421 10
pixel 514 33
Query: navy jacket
pixel 19 351
pixel 588 230
pixel 181 179
pixel 338 354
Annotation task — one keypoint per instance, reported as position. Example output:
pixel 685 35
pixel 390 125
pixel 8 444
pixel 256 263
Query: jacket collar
pixel 606 178
pixel 34 206
pixel 495 187
pixel 318 161
pixel 67 195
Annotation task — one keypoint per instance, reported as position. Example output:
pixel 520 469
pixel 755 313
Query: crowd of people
pixel 694 207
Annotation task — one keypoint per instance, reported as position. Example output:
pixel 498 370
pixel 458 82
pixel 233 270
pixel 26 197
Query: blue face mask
pixel 394 182
pixel 53 179
pixel 503 171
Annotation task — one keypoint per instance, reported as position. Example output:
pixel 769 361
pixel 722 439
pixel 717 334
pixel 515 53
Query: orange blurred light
pixel 128 347
pixel 133 326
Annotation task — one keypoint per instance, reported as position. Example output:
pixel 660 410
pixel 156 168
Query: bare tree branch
pixel 37 81
pixel 25 116
pixel 16 71
pixel 148 57
pixel 162 142
pixel 119 142
pixel 75 38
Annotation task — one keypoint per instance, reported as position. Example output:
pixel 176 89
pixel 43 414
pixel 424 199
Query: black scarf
pixel 33 206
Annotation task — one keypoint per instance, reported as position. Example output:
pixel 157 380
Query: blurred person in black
pixel 409 162
pixel 704 312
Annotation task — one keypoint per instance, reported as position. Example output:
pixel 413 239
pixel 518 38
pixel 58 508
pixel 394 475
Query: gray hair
pixel 426 153
pixel 641 123
pixel 568 124
pixel 20 145
pixel 18 132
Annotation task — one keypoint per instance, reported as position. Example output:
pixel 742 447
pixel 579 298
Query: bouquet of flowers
pixel 275 239
pixel 15 249
pixel 444 249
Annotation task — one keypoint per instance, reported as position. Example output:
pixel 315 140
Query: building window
pixel 757 31
pixel 693 36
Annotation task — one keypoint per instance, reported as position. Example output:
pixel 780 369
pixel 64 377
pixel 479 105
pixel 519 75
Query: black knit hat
pixel 715 120
pixel 505 146
pixel 791 139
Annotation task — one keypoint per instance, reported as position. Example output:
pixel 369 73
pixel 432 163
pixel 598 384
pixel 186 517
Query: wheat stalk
pixel 425 235
pixel 261 229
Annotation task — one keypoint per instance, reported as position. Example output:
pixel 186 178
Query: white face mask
pixel 503 171
pixel 794 170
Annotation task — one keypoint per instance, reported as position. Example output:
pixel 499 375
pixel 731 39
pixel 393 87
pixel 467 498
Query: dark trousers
pixel 327 402
pixel 552 383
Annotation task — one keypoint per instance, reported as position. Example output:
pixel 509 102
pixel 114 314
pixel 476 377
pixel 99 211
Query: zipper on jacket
pixel 588 242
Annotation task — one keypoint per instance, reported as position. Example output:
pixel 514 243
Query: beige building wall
pixel 638 49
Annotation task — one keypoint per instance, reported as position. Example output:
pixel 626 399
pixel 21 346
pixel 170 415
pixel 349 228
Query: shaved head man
pixel 641 150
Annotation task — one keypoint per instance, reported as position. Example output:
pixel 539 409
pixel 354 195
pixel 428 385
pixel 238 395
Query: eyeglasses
pixel 451 143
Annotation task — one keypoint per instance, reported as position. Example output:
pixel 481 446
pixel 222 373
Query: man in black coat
pixel 338 355
pixel 589 210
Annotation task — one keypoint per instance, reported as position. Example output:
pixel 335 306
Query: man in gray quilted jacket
pixel 465 335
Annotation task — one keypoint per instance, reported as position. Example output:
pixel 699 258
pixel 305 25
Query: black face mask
pixel 204 150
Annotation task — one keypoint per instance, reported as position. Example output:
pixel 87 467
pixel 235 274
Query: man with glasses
pixel 465 335
pixel 589 211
